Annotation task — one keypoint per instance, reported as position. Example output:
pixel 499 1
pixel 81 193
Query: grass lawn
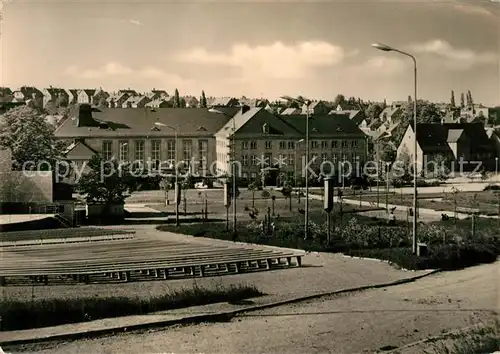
pixel 485 201
pixel 216 209
pixel 22 314
pixel 451 244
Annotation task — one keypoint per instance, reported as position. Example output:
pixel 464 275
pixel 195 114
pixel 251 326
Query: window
pixel 253 175
pixel 139 150
pixel 354 143
pixel 334 159
pixel 123 151
pixel 244 145
pixel 244 160
pixel 253 160
pixel 282 145
pixel 269 144
pixel 107 150
pixel 314 144
pixel 187 150
pixel 265 128
pixel 291 160
pixel 253 145
pixel 345 143
pixel 324 157
pixel 171 158
pixel 344 157
pixel 156 151
pixel 335 144
pixel 203 153
pixel 324 144
pixel 291 144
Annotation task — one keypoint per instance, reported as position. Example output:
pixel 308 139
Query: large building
pixel 263 140
pixel 453 142
pixel 132 134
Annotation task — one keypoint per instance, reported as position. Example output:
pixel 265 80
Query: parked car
pixel 200 185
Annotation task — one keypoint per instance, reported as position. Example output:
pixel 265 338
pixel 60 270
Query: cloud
pixel 277 60
pixel 455 58
pixel 481 9
pixel 136 22
pixel 124 75
pixel 378 65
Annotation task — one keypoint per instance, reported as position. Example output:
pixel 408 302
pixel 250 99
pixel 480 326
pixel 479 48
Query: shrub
pixel 17 315
pixel 492 187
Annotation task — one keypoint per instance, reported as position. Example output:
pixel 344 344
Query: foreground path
pixel 363 322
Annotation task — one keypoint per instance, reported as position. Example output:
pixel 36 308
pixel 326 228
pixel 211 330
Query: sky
pixel 255 49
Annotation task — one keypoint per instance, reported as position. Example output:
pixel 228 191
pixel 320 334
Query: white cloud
pixel 474 9
pixel 136 22
pixel 120 74
pixel 379 66
pixel 277 60
pixel 455 58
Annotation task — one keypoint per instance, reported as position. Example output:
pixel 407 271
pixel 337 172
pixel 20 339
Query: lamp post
pixel 176 135
pixel 233 160
pixel 307 103
pixel 496 168
pixel 387 48
pixel 295 161
pixel 387 164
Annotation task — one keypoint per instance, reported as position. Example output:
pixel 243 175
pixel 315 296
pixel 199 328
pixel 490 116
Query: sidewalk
pixel 196 314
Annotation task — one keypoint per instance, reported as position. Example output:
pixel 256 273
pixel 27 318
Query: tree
pixel 30 138
pixel 62 101
pixel 384 105
pixel 462 100
pixel 203 100
pixel 427 112
pixel 452 100
pixel 373 111
pixel 166 184
pixel 470 102
pixel 107 182
pixel 253 187
pixel 182 103
pixel 339 100
pixel 177 100
pixel 287 193
pixel 409 99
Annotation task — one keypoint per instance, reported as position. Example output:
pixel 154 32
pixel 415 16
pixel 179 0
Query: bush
pixel 492 187
pixel 17 315
pixel 447 257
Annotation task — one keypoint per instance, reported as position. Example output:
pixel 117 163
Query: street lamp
pixel 307 103
pixel 387 48
pixel 233 160
pixel 387 165
pixel 496 168
pixel 176 132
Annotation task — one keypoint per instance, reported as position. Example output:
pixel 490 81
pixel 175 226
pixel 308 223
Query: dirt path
pixel 363 322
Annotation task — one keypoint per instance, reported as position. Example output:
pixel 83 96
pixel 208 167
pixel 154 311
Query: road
pixel 357 323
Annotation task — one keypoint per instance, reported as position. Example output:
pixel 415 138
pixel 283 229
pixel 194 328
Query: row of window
pixel 315 144
pixel 156 151
pixel 289 159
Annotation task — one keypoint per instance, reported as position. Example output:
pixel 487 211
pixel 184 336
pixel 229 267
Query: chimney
pixel 244 109
pixel 85 118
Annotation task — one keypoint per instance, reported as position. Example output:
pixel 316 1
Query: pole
pixel 378 178
pixel 415 204
pixel 227 218
pixel 306 216
pixel 234 175
pixel 387 188
pixel 329 226
pixel 176 179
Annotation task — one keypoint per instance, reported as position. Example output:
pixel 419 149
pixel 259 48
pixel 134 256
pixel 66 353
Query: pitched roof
pixel 251 123
pixel 454 135
pixel 324 125
pixel 79 151
pixel 434 137
pixel 291 111
pixel 221 101
pixel 140 122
